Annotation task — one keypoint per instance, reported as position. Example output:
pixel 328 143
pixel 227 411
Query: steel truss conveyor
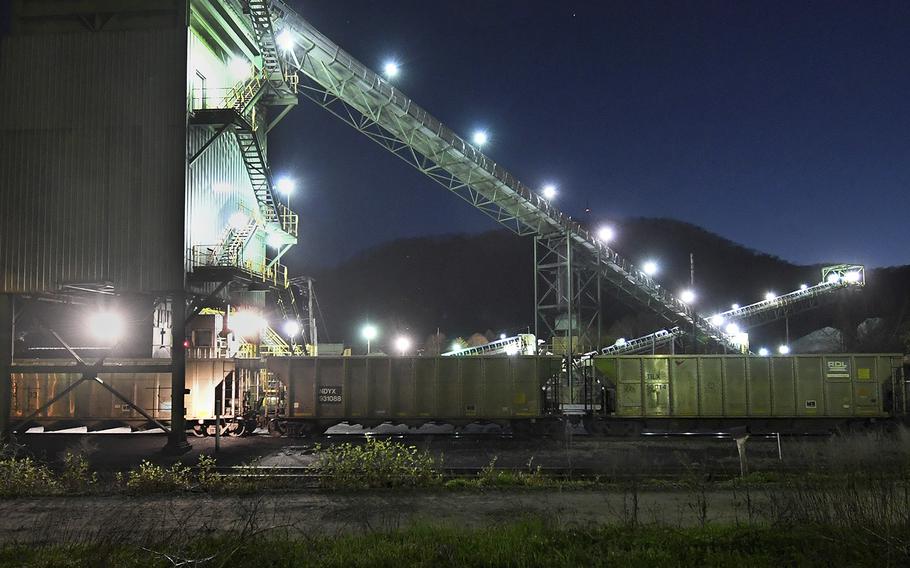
pixel 572 265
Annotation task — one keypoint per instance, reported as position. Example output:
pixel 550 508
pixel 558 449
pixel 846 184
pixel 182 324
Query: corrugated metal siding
pixel 219 186
pixel 92 158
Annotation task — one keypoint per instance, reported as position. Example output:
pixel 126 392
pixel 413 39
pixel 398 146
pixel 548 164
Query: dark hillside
pixel 465 284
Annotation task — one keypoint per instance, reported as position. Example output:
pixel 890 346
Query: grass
pixel 532 542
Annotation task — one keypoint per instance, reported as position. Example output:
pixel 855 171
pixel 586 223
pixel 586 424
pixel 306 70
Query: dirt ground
pixel 146 519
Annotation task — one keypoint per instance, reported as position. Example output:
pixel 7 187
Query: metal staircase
pixel 260 15
pixel 256 167
pixel 232 250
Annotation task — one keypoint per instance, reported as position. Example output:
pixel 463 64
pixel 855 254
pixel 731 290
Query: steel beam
pixel 177 442
pixel 6 361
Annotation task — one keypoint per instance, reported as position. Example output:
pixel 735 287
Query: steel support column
pixel 566 295
pixel 176 442
pixel 6 362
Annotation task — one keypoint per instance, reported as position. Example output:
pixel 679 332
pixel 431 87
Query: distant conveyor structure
pixel 574 267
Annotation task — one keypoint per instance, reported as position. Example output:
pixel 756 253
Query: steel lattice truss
pixel 348 89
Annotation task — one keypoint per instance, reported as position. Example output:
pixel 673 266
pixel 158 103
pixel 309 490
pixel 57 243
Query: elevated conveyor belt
pixel 336 81
pixel 834 278
pixel 524 344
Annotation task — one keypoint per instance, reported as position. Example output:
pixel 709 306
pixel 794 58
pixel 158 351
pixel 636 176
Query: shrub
pixel 377 463
pixel 24 476
pixel 76 475
pixel 152 478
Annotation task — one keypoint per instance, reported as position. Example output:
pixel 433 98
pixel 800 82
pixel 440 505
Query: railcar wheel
pixel 238 431
pixel 199 430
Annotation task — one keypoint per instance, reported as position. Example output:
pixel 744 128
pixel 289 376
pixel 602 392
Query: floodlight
pixel 549 192
pixel 285 185
pixel 106 326
pixel 717 320
pixel 291 328
pixel 620 342
pixel 783 349
pixel 852 277
pixel 734 307
pixel 605 234
pixel 687 296
pixel 285 40
pixel 803 286
pixel 390 69
pixel 502 336
pixel 274 240
pixel 770 296
pixel 511 350
pixel 369 332
pixel 763 352
pixel 247 323
pixel 833 278
pixel 456 346
pixel 480 137
pixel 650 268
pixel 732 329
pixel 402 344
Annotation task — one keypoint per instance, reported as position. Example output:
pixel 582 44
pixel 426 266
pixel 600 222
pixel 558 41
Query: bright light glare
pixel 650 268
pixel 285 40
pixel 763 352
pixel 246 323
pixel 833 278
pixel 770 296
pixel 732 329
pixel 456 346
pixel 606 234
pixel 511 350
pixel 106 326
pixel 549 191
pixel 239 68
pixel 390 69
pixel 480 137
pixel 783 349
pixel 369 332
pixel 717 320
pixel 620 342
pixel 291 328
pixel 274 240
pixel 687 296
pixel 285 185
pixel 803 286
pixel 502 336
pixel 852 277
pixel 402 344
pixel 238 219
pixel 734 307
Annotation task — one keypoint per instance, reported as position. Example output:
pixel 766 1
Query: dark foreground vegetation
pixel 531 542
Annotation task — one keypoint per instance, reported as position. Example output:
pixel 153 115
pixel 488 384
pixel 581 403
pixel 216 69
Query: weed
pixel 25 477
pixel 377 463
pixel 152 478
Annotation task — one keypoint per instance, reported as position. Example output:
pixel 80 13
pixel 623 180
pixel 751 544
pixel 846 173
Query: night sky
pixel 783 126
